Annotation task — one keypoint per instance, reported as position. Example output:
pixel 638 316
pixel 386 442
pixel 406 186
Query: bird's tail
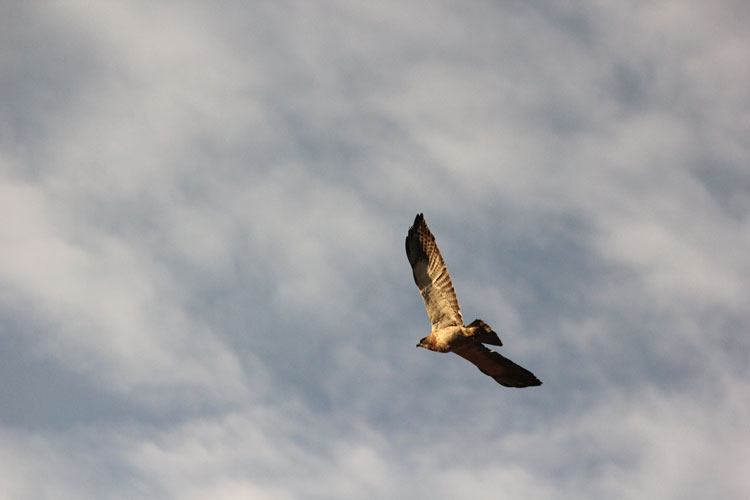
pixel 481 332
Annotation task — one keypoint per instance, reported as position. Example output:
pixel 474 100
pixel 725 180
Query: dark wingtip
pixel 417 221
pixel 518 383
pixel 413 250
pixel 531 381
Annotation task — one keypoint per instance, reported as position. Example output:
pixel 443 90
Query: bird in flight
pixel 448 331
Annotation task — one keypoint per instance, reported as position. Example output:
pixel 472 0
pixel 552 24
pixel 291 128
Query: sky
pixel 203 286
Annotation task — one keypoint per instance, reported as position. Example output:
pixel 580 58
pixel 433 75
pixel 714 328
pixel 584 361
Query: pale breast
pixel 446 339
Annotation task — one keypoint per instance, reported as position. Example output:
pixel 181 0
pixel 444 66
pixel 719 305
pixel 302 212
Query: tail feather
pixel 482 332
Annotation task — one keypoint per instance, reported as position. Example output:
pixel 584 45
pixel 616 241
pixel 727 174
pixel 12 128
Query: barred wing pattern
pixel 431 276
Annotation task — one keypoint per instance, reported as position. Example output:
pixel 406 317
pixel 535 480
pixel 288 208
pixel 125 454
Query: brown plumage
pixel 448 331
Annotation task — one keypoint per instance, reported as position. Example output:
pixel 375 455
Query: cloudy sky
pixel 203 286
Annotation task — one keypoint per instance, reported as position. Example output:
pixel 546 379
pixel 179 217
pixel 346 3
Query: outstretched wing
pixel 431 276
pixel 504 371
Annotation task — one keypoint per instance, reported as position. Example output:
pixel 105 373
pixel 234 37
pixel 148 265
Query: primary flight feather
pixel 448 331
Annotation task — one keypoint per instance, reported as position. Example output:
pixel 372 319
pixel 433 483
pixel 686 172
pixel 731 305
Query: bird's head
pixel 422 342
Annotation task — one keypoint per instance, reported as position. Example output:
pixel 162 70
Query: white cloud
pixel 624 447
pixel 109 311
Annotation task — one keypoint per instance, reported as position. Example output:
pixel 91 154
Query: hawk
pixel 448 331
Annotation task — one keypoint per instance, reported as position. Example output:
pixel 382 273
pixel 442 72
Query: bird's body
pixel 445 339
pixel 449 334
pixel 450 338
